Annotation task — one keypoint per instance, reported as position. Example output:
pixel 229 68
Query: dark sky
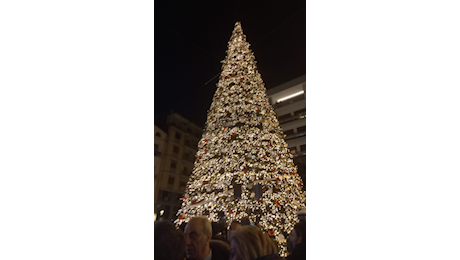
pixel 191 39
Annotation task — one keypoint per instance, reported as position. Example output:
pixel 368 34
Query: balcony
pixel 289 101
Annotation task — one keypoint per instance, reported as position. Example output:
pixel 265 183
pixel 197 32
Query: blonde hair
pixel 250 243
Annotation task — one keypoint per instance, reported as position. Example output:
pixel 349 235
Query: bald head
pixel 202 223
pixel 198 232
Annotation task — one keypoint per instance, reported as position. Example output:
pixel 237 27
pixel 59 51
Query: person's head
pixel 198 232
pixel 169 243
pixel 249 243
pixel 298 234
pixel 232 228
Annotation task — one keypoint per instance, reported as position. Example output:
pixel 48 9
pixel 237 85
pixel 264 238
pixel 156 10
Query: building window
pixel 182 184
pixel 178 136
pixel 158 134
pixel 173 165
pixel 156 152
pixel 164 195
pixel 187 142
pixel 303 148
pixel 175 149
pixel 171 180
pixel 185 171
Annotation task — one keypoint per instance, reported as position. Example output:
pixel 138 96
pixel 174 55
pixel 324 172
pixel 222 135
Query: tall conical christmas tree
pixel 243 167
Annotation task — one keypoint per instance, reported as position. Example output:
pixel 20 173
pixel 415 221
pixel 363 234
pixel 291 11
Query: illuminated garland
pixel 243 143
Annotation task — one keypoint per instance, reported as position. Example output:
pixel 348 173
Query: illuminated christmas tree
pixel 243 167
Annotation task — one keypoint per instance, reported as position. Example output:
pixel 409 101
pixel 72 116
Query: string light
pixel 242 144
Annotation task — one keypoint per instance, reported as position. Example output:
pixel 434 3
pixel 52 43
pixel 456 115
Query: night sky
pixel 191 39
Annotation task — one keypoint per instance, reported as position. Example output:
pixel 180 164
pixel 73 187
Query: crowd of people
pixel 200 240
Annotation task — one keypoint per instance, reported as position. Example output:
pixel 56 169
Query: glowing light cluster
pixel 243 144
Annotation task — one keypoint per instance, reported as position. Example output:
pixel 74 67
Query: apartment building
pixel 176 165
pixel 160 147
pixel 288 101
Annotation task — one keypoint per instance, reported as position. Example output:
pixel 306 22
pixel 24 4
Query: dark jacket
pixel 270 257
pixel 220 250
pixel 299 252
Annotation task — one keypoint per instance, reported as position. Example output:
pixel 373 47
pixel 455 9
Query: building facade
pixel 176 165
pixel 160 147
pixel 288 101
